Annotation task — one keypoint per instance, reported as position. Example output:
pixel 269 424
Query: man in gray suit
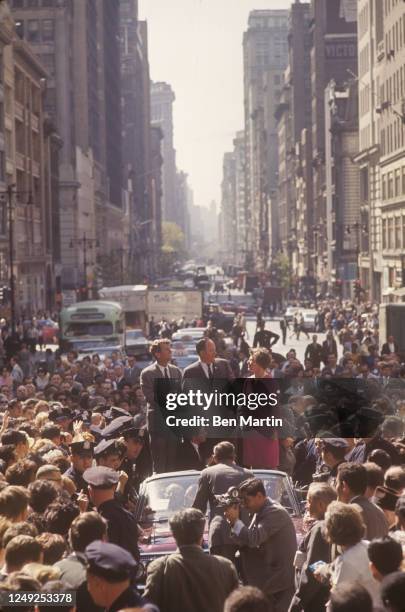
pixel 267 546
pixel 163 443
pixel 351 485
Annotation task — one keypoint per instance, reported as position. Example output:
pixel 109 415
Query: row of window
pixel 393 88
pixel 390 5
pixel 36 30
pixel 18 4
pixel 393 184
pixel 395 37
pixel 393 233
pixel 393 136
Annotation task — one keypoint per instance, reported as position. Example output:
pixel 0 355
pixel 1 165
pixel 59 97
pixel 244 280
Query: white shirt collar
pixel 162 369
pixel 205 368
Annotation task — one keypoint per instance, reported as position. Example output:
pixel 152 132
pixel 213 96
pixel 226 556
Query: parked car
pixel 189 335
pixel 135 343
pixel 290 312
pixel 161 495
pixel 309 317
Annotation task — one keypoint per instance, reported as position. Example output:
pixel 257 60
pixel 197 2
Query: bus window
pixel 104 328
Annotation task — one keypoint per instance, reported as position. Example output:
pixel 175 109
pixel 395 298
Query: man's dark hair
pixel 375 474
pixel 252 487
pixel 13 501
pixel 50 431
pixel 42 494
pixel 381 458
pixel 393 591
pixel 21 550
pixel 21 473
pixel 355 477
pixel 201 345
pixel 348 597
pixel 187 526
pixel 13 436
pixel 85 529
pixel 337 451
pixel 16 529
pixel 54 586
pixel 59 517
pixel 246 599
pixel 224 451
pixel 395 478
pixel 386 554
pixel 53 547
pixel 7 456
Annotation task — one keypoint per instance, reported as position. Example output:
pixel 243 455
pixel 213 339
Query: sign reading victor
pixel 174 304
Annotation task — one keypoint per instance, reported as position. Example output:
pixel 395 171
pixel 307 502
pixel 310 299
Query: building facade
pixel 391 111
pixel 265 52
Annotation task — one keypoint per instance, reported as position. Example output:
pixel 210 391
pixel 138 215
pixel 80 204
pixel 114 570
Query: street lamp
pixel 84 243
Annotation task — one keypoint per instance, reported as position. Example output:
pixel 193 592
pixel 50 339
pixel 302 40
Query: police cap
pixel 335 442
pixel 109 561
pixel 101 477
pixel 117 426
pixel 83 447
pixel 133 433
pixel 106 447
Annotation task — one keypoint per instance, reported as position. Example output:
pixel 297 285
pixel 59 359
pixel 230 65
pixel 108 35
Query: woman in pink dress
pixel 260 447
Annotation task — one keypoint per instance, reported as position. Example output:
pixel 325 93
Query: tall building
pixel 371 58
pixel 391 110
pixel 25 166
pixel 265 51
pixel 78 43
pixel 294 115
pixel 228 237
pixel 333 56
pixel 162 99
pixel 240 198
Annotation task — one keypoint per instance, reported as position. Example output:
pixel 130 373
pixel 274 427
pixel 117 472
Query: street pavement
pixel 291 343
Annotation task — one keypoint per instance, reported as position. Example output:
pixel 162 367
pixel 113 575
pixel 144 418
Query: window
pixel 2 166
pixel 19 28
pixel 397 232
pixel 384 186
pixel 48 30
pixel 390 237
pixel 384 233
pixel 397 182
pixel 33 30
pixel 48 3
pixel 32 3
pixel 364 184
pixel 390 185
pixel 403 180
pixel 18 4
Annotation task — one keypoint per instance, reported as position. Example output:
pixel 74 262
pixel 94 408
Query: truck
pixel 133 299
pixel 392 323
pixel 173 305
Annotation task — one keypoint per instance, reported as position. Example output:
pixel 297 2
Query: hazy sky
pixel 196 46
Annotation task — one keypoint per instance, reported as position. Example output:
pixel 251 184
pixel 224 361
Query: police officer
pixel 110 572
pixel 122 528
pixel 219 535
pixel 81 458
pixel 333 451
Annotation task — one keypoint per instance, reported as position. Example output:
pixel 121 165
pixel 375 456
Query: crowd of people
pixel 79 436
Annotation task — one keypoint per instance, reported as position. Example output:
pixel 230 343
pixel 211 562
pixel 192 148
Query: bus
pixel 92 327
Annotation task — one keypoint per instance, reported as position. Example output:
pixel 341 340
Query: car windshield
pixel 165 496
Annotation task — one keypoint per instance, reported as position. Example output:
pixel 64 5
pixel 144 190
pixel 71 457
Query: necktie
pixel 166 374
pixel 210 371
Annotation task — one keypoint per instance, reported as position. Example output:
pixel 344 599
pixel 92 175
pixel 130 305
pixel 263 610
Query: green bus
pixel 92 327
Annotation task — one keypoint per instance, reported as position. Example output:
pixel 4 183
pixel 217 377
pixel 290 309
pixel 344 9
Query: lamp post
pixel 84 243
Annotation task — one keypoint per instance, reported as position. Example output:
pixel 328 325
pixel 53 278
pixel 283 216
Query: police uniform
pixel 79 448
pixel 122 527
pixel 113 563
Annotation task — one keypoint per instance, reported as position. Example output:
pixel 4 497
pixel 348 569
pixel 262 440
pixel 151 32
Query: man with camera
pixel 267 545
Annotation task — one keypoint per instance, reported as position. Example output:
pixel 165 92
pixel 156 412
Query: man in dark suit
pixel 332 369
pixel 162 442
pixel 267 545
pixel 189 456
pixel 208 374
pixel 329 347
pixel 132 372
pixel 265 338
pixel 389 347
pixel 314 352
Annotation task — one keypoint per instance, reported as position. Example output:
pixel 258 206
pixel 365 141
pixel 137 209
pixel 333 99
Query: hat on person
pixel 117 426
pixel 58 412
pixel 135 433
pixel 229 498
pixel 101 477
pixel 106 447
pixel 335 442
pixel 114 412
pixel 386 498
pixel 81 447
pixel 109 561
